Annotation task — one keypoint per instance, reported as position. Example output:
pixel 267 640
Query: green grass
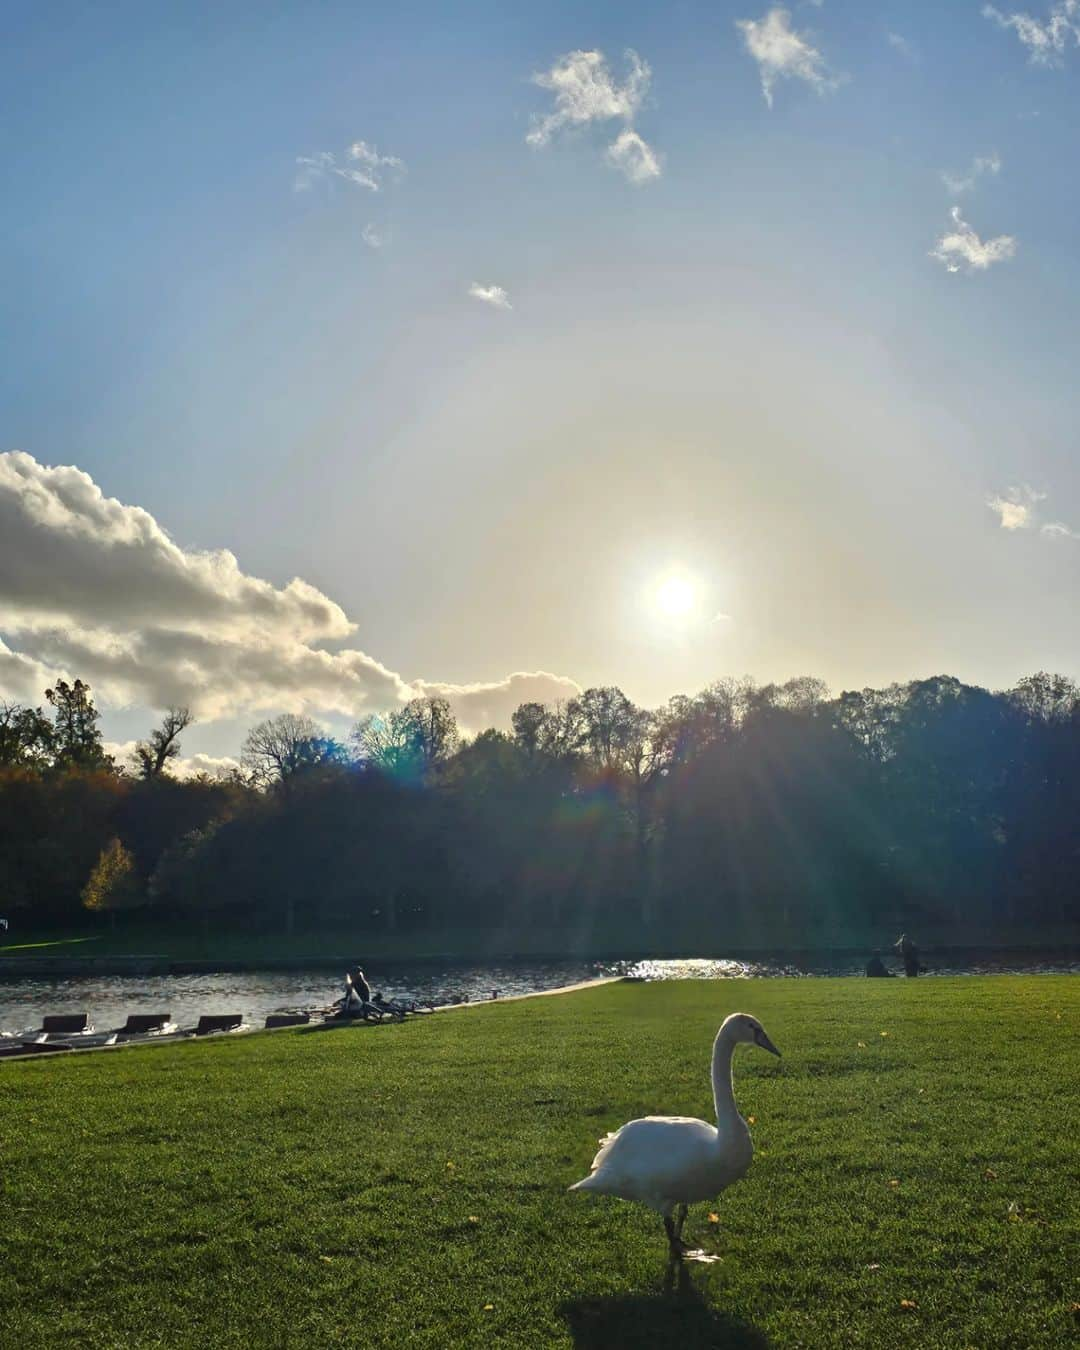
pixel 405 1185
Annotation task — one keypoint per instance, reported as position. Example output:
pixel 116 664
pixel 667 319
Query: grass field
pixel 916 1181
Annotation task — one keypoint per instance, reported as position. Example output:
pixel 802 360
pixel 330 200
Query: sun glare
pixel 676 597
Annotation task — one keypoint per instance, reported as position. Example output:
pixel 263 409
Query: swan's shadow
pixel 676 1316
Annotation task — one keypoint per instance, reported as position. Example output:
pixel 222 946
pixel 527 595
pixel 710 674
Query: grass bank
pixel 915 1182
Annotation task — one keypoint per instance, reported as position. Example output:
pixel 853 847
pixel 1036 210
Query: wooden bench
pixel 218 1022
pixel 147 1021
pixel 66 1022
pixel 287 1020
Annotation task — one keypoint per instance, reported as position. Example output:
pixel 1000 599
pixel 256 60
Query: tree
pixel 26 736
pixel 408 742
pixel 282 747
pixel 153 756
pixel 113 883
pixel 76 734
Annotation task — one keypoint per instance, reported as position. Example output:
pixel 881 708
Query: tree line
pixel 757 811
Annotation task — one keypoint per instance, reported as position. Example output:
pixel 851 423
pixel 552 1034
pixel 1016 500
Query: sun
pixel 676 596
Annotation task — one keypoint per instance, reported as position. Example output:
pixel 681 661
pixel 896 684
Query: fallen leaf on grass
pixel 474 1218
pixel 861 1045
pixel 328 1259
pixel 908 1304
pixel 489 1307
pixel 751 1120
pixel 989 1174
pixel 894 1182
pixel 874 1265
pixel 714 1218
pixel 884 1033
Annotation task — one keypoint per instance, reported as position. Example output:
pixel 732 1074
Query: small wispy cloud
pixel 902 45
pixel 495 296
pixel 361 165
pixel 372 236
pixel 961 250
pixel 633 157
pixel 783 54
pixel 959 183
pixel 1018 509
pixel 587 91
pixel 1046 40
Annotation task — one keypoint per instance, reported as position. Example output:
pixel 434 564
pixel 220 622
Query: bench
pixel 218 1022
pixel 287 1020
pixel 66 1022
pixel 146 1021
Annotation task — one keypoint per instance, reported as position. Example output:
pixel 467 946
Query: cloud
pixel 964 182
pixel 361 164
pixel 634 157
pixel 1016 509
pixel 1047 40
pixel 184 766
pixel 490 295
pixel 586 91
pixel 371 236
pixel 902 45
pixel 1055 529
pixel 94 588
pixel 961 249
pixel 477 706
pixel 781 53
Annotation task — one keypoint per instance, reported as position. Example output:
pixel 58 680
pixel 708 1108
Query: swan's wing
pixel 654 1158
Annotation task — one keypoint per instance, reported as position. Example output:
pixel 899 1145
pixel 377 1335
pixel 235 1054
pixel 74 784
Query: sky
pixel 354 353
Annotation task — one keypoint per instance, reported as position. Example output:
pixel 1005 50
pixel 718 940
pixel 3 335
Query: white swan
pixel 669 1162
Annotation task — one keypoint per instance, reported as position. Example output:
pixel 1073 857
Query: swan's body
pixel 669 1162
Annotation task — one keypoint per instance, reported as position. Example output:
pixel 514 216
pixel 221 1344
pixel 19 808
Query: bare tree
pixel 410 741
pixel 152 757
pixel 283 746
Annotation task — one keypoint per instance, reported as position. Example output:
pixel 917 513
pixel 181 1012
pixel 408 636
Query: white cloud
pixel 361 164
pixel 586 91
pixel 95 588
pixel 184 766
pixel 902 45
pixel 1016 508
pixel 1055 529
pixel 961 249
pixel 1045 40
pixel 958 183
pixel 372 237
pixel 633 157
pixel 495 296
pixel 781 53
pixel 477 706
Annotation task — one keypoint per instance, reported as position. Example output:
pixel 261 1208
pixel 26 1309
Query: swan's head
pixel 743 1027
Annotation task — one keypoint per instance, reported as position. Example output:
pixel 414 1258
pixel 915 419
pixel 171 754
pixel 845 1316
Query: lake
pixel 110 998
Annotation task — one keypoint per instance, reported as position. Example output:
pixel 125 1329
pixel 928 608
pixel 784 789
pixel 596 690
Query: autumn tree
pixel 152 756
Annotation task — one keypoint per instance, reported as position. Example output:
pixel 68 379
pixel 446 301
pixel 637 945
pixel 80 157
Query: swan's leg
pixel 675 1242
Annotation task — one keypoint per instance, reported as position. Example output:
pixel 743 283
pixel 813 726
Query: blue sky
pixel 747 369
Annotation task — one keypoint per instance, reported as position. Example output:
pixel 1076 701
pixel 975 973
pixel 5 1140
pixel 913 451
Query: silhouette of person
pixel 909 954
pixel 875 968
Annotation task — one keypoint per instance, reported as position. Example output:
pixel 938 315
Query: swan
pixel 670 1162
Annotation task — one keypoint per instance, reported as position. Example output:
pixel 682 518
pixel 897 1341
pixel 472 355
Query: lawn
pixel 915 1182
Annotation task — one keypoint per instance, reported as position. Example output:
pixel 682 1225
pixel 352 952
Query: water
pixel 255 994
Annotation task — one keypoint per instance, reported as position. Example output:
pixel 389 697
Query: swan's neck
pixel 723 1093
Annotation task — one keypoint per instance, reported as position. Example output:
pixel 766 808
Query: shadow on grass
pixel 676 1316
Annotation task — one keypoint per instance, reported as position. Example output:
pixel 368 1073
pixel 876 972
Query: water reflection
pixel 110 998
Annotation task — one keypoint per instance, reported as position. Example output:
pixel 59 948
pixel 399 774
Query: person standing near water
pixel 909 954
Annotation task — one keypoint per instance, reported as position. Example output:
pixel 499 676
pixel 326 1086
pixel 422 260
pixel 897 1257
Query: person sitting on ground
pixel 875 968
pixel 909 954
pixel 351 1005
pixel 361 985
